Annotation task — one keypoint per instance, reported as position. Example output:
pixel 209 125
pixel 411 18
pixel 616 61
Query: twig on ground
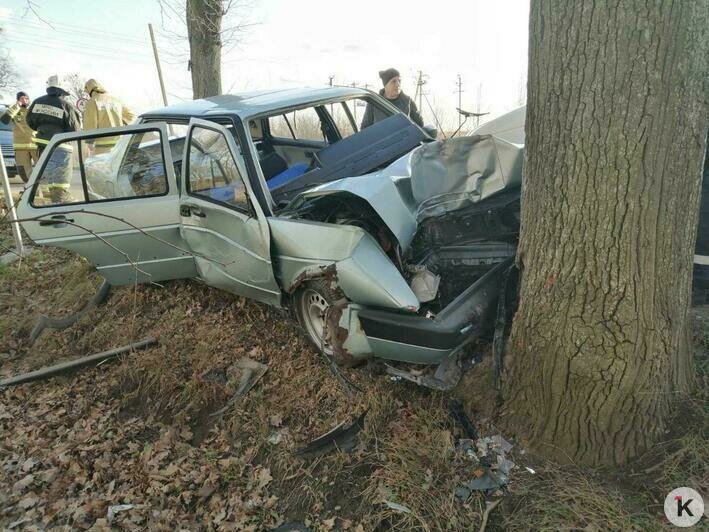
pixel 490 507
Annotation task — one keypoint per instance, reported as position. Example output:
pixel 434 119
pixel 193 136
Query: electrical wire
pixel 440 127
pixel 79 51
pixel 72 29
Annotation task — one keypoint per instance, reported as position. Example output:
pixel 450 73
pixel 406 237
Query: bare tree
pixel 204 24
pixel 211 27
pixel 75 85
pixel 616 127
pixel 9 75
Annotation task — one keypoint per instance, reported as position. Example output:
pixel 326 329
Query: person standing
pixel 103 110
pixel 23 138
pixel 391 79
pixel 49 115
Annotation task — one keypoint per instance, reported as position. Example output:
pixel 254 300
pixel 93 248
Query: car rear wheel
pixel 311 303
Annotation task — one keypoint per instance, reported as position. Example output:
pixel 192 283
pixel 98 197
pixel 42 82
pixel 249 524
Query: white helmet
pixel 54 81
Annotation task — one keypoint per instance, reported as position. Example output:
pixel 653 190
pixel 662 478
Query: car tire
pixel 310 303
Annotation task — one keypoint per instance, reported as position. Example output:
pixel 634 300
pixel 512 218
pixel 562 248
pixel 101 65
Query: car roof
pixel 248 104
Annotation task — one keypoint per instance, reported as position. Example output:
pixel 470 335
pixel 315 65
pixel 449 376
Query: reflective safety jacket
pixel 52 114
pixel 23 138
pixel 103 110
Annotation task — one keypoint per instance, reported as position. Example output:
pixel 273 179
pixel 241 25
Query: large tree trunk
pixel 204 25
pixel 615 129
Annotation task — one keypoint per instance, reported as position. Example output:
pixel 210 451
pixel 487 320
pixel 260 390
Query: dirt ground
pixel 137 431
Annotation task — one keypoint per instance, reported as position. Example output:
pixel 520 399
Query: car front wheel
pixel 311 303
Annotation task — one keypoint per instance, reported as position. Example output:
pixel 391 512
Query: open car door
pixel 222 222
pixel 110 195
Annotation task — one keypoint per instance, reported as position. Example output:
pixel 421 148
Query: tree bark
pixel 204 25
pixel 615 128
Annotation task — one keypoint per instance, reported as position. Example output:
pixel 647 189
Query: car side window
pixel 102 168
pixel 212 170
pixel 301 124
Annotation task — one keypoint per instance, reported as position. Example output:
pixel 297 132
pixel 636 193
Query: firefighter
pixel 49 115
pixel 23 140
pixel 103 110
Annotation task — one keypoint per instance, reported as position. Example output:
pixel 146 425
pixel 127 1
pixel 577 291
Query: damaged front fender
pixel 305 250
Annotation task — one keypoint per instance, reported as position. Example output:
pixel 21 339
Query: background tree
pixel 74 83
pixel 212 27
pixel 616 126
pixel 10 79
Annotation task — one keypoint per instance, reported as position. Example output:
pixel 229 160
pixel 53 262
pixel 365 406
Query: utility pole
pixel 419 90
pixel 331 80
pixel 477 104
pixel 157 65
pixel 460 100
pixel 19 247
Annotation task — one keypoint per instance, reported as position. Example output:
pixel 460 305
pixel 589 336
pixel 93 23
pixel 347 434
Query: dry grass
pixel 567 498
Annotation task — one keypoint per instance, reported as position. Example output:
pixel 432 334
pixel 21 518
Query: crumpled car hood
pixel 433 180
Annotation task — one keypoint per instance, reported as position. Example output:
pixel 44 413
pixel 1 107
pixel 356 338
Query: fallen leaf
pixel 28 502
pixel 263 477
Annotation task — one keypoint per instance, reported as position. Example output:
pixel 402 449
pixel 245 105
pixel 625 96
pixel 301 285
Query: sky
pixel 287 44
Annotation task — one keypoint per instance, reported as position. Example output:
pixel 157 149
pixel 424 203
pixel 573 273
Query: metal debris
pixel 424 284
pixel 444 378
pixel 248 372
pixel 398 507
pixel 62 323
pixel 45 373
pixel 113 510
pixel 342 437
pixel 455 408
pixel 493 469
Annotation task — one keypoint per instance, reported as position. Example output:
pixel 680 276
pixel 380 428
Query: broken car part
pixel 455 408
pixel 51 371
pixel 249 373
pixel 445 377
pixel 63 323
pixel 343 436
pixel 493 470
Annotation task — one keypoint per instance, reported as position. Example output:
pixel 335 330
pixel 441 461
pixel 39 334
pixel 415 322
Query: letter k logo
pixel 683 507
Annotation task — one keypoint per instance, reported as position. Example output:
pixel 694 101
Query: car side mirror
pixel 431 131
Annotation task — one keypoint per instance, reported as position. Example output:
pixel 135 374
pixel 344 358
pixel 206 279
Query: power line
pixel 75 46
pixel 73 43
pixel 70 28
pixel 107 55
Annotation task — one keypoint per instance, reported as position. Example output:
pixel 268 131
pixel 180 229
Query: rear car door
pixel 221 222
pixel 118 208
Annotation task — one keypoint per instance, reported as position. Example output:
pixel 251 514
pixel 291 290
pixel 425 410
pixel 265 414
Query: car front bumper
pixel 420 340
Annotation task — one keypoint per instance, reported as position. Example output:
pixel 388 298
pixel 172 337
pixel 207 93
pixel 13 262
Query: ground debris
pixel 343 436
pixel 45 373
pixel 245 372
pixel 492 466
pixel 113 510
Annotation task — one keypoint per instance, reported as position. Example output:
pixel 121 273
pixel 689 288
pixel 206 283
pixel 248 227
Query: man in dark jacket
pixel 391 79
pixel 49 115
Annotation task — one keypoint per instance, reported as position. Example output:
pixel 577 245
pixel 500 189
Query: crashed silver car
pixel 383 241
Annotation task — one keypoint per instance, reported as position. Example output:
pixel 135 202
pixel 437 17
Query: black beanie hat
pixel 388 74
pixel 21 94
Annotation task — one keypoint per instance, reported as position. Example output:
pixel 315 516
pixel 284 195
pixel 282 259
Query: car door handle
pixel 56 221
pixel 189 210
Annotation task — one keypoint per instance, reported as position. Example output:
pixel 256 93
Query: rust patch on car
pixel 328 272
pixel 336 335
